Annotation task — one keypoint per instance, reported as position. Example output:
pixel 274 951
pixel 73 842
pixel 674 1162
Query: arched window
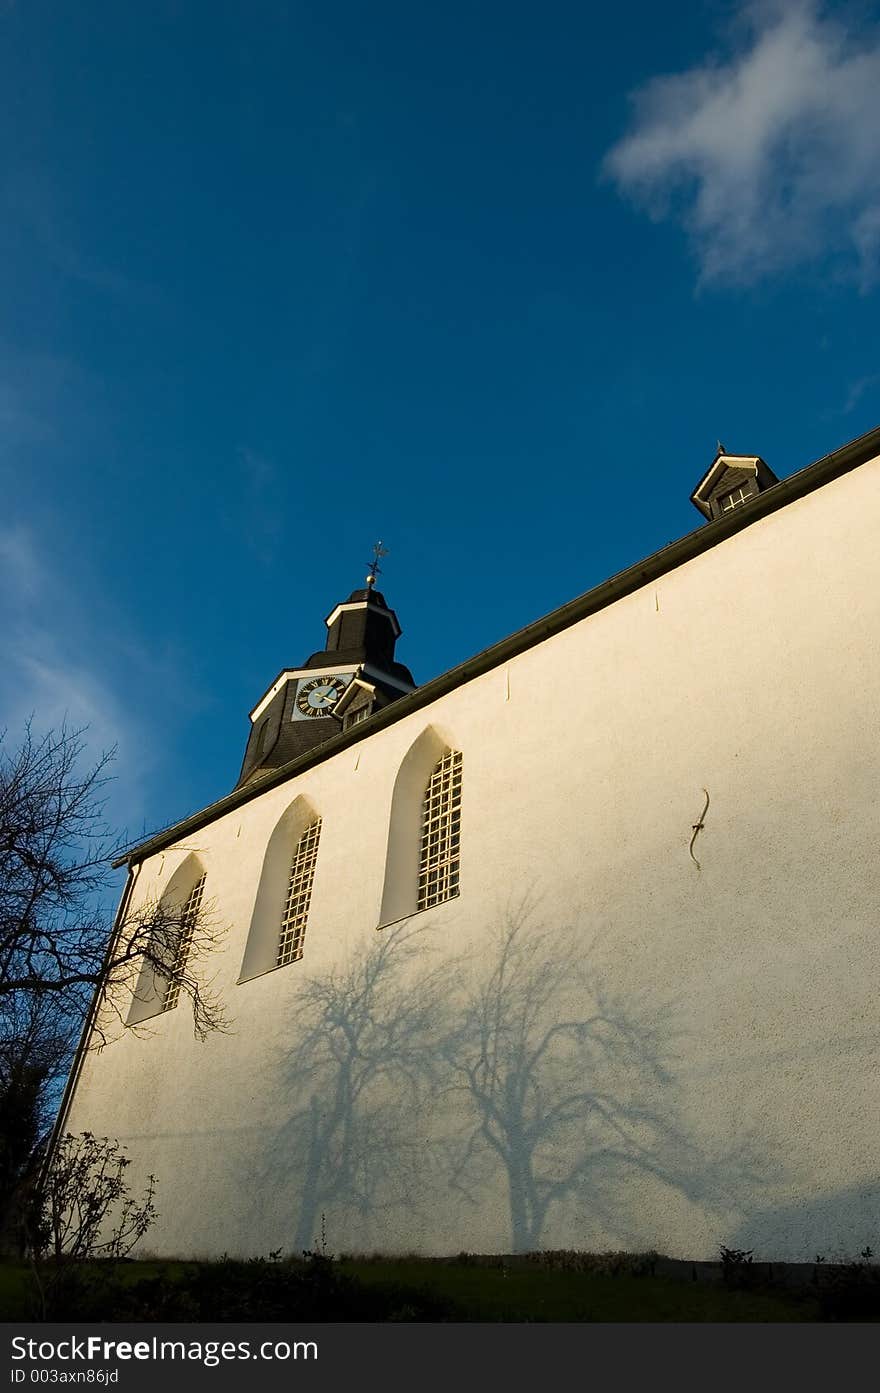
pixel 281 907
pixel 299 895
pixel 188 920
pixel 441 832
pixel 424 833
pixel 178 910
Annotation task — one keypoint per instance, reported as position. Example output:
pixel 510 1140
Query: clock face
pixel 318 695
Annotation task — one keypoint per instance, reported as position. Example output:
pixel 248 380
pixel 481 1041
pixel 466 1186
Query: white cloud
pixel 770 158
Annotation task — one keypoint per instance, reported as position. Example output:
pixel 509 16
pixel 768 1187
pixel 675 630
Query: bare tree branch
pixel 55 855
pixel 56 954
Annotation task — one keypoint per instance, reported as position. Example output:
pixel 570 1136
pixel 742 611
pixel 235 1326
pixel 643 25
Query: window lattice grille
pixel 299 893
pixel 181 953
pixel 738 496
pixel 441 833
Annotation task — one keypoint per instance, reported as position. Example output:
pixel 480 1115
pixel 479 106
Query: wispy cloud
pixel 53 412
pixel 19 565
pixel 858 389
pixel 769 157
pixel 53 668
pixel 30 202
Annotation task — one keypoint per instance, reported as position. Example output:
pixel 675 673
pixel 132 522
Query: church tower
pixel 354 675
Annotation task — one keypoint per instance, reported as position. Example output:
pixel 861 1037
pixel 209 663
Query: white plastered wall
pixel 753 672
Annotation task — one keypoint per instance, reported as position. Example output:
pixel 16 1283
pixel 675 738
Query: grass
pixel 413 1289
pixel 14 1280
pixel 17 1288
pixel 531 1294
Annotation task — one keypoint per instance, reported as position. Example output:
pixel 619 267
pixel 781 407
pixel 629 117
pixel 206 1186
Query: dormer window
pixel 729 501
pixel 729 482
pixel 358 701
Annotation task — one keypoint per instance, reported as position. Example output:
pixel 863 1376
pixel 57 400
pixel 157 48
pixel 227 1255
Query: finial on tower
pixel 720 450
pixel 375 569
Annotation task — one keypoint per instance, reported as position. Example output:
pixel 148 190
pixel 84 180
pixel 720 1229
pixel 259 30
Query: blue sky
pixel 486 281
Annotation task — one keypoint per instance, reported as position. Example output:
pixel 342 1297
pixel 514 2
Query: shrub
pixel 82 1211
pixel 850 1291
pixel 737 1270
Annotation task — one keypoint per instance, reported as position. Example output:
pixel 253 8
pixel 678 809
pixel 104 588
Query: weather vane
pixel 375 569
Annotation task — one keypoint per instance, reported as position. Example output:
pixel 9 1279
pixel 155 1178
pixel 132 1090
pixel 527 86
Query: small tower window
pixel 355 717
pixel 181 953
pixel 740 495
pixel 299 894
pixel 441 832
pixel 261 738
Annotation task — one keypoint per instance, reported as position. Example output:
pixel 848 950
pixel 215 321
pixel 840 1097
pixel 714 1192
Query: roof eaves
pixel 693 544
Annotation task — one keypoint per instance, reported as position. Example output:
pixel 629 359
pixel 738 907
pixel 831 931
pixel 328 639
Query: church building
pixel 574 946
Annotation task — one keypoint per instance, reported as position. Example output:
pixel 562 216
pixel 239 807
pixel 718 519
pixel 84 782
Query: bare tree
pixel 562 1080
pixel 35 1049
pixel 55 861
pixel 58 954
pixel 161 948
pixel 54 858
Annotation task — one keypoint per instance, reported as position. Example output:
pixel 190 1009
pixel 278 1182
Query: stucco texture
pixel 598 1043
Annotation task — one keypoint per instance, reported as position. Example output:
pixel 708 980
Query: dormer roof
pixel 354 695
pixel 727 473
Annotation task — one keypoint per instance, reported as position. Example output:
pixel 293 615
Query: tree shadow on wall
pixel 356 1078
pixel 515 1070
pixel 836 1222
pixel 571 1093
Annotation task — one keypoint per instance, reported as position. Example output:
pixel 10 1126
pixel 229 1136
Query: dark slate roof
pixel 353 657
pixel 358 596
